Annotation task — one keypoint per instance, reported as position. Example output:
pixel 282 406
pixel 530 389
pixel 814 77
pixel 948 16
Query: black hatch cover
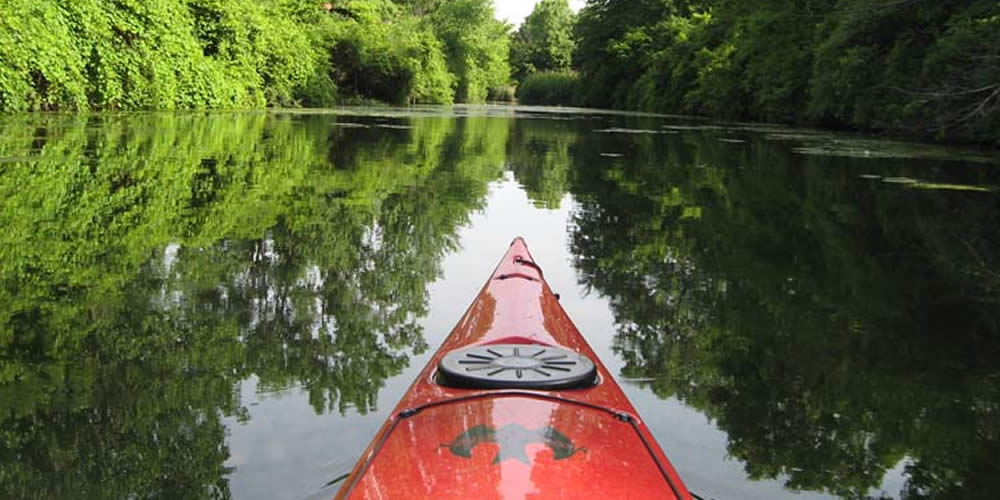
pixel 517 366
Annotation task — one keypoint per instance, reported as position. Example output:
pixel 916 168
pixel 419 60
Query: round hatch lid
pixel 517 366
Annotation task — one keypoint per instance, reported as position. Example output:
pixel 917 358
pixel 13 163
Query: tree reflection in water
pixel 152 262
pixel 831 327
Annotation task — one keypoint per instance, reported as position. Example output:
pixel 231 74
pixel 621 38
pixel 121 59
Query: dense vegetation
pixel 548 87
pixel 544 42
pixel 541 53
pixel 917 67
pixel 168 54
pixel 914 67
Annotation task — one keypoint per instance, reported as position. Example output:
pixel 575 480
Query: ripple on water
pixel 620 130
pixel 910 182
pixel 818 145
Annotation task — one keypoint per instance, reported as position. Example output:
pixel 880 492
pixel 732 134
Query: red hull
pixel 447 442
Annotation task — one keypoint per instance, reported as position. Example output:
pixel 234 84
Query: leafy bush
pixel 170 54
pixel 917 68
pixel 160 54
pixel 476 46
pixel 388 57
pixel 672 80
pixel 41 67
pixel 544 42
pixel 548 87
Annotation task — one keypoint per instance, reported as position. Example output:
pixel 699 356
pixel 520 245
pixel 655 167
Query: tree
pixel 920 68
pixel 476 46
pixel 613 47
pixel 545 40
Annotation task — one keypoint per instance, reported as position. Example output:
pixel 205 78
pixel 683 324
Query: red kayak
pixel 514 405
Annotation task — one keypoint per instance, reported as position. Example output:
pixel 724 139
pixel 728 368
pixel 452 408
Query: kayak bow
pixel 514 405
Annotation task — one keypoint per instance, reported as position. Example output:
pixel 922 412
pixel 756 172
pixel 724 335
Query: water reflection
pixel 829 326
pixel 152 262
pixel 539 156
pixel 830 321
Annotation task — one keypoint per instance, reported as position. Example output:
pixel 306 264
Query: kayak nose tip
pixel 516 240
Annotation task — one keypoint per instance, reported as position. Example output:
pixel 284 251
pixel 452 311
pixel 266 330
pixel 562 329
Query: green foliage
pixel 548 87
pixel 184 54
pixel 544 41
pixel 686 65
pixel 41 68
pixel 613 45
pixel 388 57
pixel 937 75
pixel 476 46
pixel 919 68
pixel 159 54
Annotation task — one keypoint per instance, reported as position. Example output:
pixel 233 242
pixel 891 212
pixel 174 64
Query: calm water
pixel 228 304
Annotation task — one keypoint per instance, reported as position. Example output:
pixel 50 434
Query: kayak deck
pixel 446 439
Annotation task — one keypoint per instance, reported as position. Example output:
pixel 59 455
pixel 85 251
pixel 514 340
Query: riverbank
pixel 906 69
pixel 197 54
pixel 918 69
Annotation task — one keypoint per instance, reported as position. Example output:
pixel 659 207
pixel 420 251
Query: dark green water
pixel 228 304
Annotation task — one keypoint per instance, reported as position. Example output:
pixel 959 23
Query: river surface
pixel 226 305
